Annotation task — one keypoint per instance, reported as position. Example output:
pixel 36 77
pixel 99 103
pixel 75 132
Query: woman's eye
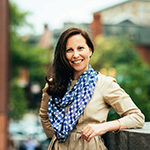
pixel 80 47
pixel 69 50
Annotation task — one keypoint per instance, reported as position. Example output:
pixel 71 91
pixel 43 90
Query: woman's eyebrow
pixel 68 47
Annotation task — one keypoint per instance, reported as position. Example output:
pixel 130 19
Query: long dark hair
pixel 61 69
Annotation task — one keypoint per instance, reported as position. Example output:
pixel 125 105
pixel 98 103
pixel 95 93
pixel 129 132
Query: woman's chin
pixel 78 71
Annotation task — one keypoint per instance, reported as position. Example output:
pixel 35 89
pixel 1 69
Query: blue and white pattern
pixel 78 97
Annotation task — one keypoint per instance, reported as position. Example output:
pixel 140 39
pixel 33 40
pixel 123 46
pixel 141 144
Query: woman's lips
pixel 77 61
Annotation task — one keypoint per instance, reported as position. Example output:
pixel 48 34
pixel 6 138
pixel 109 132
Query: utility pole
pixel 4 63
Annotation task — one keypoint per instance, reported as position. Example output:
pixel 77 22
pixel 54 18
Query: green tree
pixel 18 102
pixel 112 51
pixel 23 55
pixel 132 73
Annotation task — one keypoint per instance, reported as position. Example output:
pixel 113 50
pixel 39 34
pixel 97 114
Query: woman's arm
pixel 115 96
pixel 131 116
pixel 43 113
pixel 92 130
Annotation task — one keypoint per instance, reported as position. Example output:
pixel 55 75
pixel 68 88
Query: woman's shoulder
pixel 104 80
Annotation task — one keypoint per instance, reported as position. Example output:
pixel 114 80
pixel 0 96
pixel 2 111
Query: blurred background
pixel 119 29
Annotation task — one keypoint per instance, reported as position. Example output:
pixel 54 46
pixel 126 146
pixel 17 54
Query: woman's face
pixel 78 54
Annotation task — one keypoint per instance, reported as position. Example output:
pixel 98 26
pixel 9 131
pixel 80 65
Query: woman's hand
pixel 92 130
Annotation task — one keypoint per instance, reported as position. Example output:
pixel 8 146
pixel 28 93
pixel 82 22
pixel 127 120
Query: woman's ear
pixel 91 52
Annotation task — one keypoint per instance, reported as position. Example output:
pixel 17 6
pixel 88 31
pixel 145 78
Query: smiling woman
pixel 76 99
pixel 78 54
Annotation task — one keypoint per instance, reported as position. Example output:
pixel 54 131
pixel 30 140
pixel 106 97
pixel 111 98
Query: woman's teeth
pixel 76 62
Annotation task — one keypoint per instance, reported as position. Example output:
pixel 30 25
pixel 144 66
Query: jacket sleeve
pixel 43 113
pixel 115 96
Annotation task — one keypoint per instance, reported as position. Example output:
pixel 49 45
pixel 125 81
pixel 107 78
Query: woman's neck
pixel 76 75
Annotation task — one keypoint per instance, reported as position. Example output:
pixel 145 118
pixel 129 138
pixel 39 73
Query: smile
pixel 77 61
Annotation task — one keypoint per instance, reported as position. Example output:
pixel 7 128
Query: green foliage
pixel 112 51
pixel 18 102
pixel 131 73
pixel 17 18
pixel 136 82
pixel 37 67
pixel 23 55
pixel 32 58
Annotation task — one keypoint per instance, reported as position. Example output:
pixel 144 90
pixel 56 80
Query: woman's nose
pixel 76 53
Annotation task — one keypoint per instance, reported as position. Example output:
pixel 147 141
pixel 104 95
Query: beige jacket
pixel 107 94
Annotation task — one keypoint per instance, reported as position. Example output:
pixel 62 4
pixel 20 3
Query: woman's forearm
pixel 46 123
pixel 92 130
pixel 114 125
pixel 43 113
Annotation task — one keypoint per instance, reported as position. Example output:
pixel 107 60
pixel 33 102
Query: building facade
pixel 129 18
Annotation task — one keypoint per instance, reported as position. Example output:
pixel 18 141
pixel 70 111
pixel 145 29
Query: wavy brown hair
pixel 61 69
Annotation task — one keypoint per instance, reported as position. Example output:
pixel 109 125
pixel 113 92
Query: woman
pixel 76 99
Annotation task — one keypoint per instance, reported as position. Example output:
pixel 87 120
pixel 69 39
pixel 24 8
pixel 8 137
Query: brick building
pixel 130 18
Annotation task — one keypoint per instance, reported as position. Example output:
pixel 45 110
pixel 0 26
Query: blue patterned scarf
pixel 78 97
